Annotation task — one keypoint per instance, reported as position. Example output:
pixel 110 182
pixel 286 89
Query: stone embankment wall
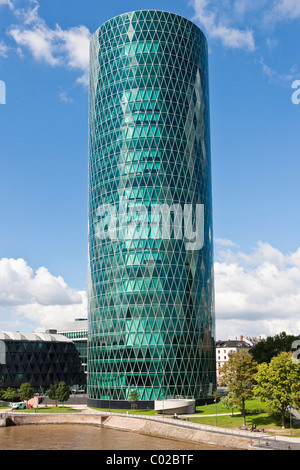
pixel 3 420
pixel 176 432
pixel 44 418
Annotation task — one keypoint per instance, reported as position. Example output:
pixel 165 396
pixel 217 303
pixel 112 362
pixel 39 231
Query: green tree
pixel 272 346
pixel 238 375
pixel 133 397
pixel 278 384
pixel 228 401
pixel 62 392
pixel 51 393
pixel 10 394
pixel 26 392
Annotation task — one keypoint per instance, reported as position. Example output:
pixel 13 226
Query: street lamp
pixel 291 427
pixel 215 400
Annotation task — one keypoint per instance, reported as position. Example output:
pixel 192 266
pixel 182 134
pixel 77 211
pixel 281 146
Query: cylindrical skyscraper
pixel 151 288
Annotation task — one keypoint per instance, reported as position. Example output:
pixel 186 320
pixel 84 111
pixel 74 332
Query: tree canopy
pixel 26 391
pixel 133 396
pixel 62 392
pixel 278 383
pixel 265 350
pixel 238 375
pixel 51 393
pixel 59 392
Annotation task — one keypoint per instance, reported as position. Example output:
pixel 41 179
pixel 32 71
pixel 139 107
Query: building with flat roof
pixel 77 331
pixel 39 358
pixel 151 286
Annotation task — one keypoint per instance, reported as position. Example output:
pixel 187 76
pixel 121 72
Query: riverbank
pixel 147 425
pixel 154 425
pixel 78 437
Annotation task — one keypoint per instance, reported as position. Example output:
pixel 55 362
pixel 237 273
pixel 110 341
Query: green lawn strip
pixel 228 421
pixel 49 409
pixel 200 410
pixel 251 405
pixel 141 412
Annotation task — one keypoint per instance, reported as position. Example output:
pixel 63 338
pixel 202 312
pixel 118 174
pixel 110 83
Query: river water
pixel 85 437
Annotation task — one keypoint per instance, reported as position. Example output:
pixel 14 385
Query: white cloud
pixel 65 98
pixel 248 25
pixel 56 47
pixel 39 41
pixel 274 76
pixel 3 49
pixel 257 292
pixel 215 20
pixel 229 20
pixel 285 10
pixel 242 8
pixel 224 242
pixel 46 316
pixel 8 3
pixel 75 44
pixel 38 296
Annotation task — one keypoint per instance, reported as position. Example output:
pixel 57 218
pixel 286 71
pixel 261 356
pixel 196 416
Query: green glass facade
pixel 151 297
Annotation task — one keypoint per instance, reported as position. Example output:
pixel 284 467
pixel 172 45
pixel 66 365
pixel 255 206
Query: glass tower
pixel 151 287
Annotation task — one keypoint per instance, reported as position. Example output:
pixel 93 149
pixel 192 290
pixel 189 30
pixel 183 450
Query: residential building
pixel 225 350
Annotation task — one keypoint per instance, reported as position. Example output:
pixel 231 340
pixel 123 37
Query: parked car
pixel 19 406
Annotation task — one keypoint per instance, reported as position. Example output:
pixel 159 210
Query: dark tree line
pixel 265 350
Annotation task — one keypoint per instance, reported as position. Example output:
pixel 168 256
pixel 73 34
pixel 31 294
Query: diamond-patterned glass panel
pixel 40 362
pixel 151 298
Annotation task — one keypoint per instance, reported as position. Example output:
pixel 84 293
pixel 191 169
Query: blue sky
pixel 253 59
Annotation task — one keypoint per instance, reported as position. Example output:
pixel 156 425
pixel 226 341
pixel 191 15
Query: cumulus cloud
pixel 37 295
pixel 257 292
pixel 54 46
pixel 216 23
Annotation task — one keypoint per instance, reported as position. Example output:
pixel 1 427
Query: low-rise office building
pixel 77 331
pixel 39 358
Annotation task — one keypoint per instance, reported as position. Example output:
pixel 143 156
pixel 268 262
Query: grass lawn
pixel 136 412
pixel 251 405
pixel 262 420
pixel 229 421
pixel 256 414
pixel 49 409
